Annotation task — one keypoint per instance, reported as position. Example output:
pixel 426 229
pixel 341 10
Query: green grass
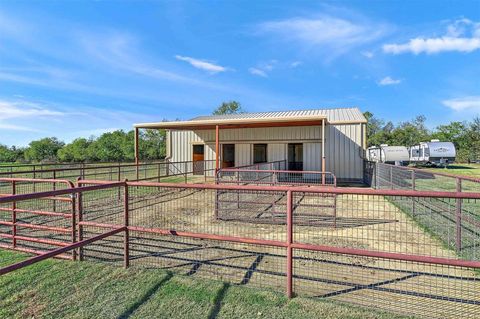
pixel 62 289
pixel 472 170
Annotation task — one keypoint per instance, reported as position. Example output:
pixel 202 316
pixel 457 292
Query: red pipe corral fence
pixel 262 232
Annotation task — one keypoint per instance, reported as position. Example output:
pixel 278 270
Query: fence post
pixel 80 219
pixel 413 188
pixel 289 244
pixel 74 226
pixel 391 177
pixel 458 215
pixel 159 171
pixel 54 186
pixel 14 216
pixel 126 252
pixel 185 168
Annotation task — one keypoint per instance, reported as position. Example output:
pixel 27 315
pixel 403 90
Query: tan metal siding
pixel 242 154
pixel 343 147
pixel 277 152
pixel 312 156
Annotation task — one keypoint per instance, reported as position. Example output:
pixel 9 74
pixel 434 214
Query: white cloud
pixel 368 54
pixel 22 110
pixel 389 81
pixel 461 36
pixel 335 35
pixel 202 65
pixel 464 103
pixel 295 64
pixel 259 72
pixel 10 110
pixel 262 69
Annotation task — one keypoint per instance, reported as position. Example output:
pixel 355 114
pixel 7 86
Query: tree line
pixel 465 135
pixel 117 146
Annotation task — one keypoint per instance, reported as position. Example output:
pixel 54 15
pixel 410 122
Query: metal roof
pixel 333 115
pixel 259 119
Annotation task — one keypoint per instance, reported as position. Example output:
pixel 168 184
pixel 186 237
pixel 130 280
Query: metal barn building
pixel 332 140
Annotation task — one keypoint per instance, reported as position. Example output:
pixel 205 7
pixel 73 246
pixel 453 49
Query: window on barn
pixel 259 153
pixel 295 157
pixel 228 155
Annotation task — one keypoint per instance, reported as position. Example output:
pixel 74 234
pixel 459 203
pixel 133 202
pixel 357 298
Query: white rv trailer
pixel 433 153
pixel 397 155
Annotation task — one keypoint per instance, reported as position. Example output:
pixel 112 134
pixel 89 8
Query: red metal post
pixel 323 152
pixel 74 225
pixel 14 216
pixel 289 244
pixel 54 187
pixel 79 204
pixel 217 148
pixel 458 215
pixel 126 252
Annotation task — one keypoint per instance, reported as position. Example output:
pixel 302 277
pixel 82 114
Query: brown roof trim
pixel 236 123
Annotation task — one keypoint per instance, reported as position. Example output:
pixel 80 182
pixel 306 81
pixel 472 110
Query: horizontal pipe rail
pixel 33 251
pixel 59 251
pixel 314 189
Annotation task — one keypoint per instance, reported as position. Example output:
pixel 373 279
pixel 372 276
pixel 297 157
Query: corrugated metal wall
pixel 343 146
pixel 277 152
pixel 312 156
pixel 343 151
pixel 243 155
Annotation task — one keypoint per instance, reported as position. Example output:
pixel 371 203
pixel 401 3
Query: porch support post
pixel 136 152
pixel 217 148
pixel 323 151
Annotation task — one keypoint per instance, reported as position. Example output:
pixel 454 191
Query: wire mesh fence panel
pixel 274 177
pixel 234 263
pixel 184 209
pixel 455 223
pixel 397 224
pixel 109 250
pixel 36 225
pixel 410 288
pixel 113 172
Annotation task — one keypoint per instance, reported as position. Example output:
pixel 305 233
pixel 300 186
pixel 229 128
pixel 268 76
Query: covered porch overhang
pixel 220 124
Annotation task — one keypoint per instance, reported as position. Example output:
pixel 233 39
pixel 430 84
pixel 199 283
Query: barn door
pixel 198 159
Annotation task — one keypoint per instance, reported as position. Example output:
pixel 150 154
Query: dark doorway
pixel 198 159
pixel 259 153
pixel 228 155
pixel 295 157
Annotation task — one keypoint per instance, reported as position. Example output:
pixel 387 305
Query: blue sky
pixel 78 68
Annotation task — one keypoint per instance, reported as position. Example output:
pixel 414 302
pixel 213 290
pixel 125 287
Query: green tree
pixel 111 146
pixel 44 149
pixel 152 144
pixel 411 132
pixel 75 151
pixel 231 107
pixel 7 154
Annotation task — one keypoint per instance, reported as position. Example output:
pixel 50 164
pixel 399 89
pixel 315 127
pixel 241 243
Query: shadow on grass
pixel 218 301
pixel 152 291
